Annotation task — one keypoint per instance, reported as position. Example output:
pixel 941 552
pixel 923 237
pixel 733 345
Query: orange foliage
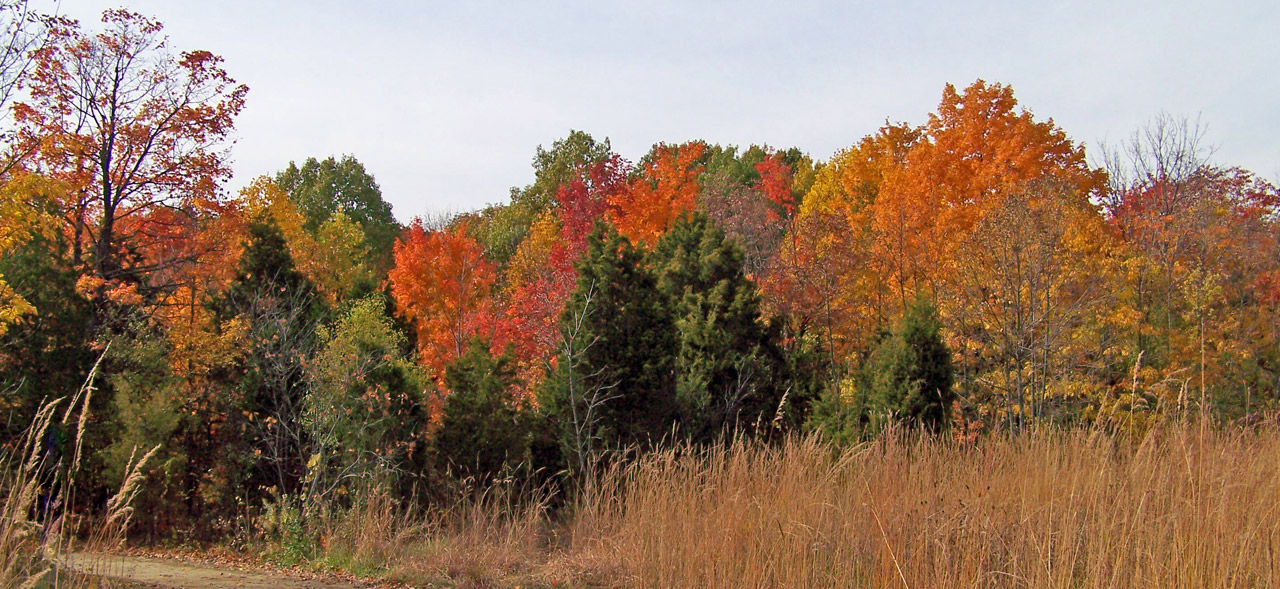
pixel 666 188
pixel 442 284
pixel 976 149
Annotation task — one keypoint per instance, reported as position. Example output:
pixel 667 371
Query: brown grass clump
pixel 1184 507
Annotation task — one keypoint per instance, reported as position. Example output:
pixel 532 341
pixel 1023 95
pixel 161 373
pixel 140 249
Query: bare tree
pixel 585 394
pixel 22 31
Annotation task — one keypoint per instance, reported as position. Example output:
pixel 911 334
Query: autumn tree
pixel 1033 270
pixel 442 283
pixel 825 276
pixel 133 128
pixel 27 212
pixel 1200 239
pixel 24 197
pixel 665 187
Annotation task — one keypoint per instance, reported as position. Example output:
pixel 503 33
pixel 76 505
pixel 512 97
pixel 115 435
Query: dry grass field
pixel 1184 506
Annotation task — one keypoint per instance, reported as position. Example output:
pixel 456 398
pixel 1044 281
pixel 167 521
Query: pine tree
pixel 483 431
pixel 909 374
pixel 281 310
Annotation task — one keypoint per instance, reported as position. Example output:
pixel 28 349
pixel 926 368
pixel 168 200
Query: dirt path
pixel 156 572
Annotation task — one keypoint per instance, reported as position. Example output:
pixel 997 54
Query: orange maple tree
pixel 665 188
pixel 442 283
pixel 132 127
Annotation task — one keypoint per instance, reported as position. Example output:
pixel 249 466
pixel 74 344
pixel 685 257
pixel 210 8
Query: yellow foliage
pixel 332 258
pixel 22 216
pixel 530 259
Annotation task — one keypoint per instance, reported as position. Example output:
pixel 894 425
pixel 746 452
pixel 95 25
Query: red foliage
pixel 775 183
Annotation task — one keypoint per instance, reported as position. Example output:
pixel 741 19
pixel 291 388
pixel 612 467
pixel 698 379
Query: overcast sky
pixel 445 102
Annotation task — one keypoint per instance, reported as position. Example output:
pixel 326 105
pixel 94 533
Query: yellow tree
pixel 335 257
pixel 24 200
pixel 1028 277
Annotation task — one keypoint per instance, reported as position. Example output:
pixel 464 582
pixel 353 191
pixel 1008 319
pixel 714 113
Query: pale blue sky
pixel 444 102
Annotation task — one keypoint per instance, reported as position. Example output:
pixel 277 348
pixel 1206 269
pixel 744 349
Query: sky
pixel 445 102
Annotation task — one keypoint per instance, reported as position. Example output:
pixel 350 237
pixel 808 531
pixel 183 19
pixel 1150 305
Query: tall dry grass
pixel 490 538
pixel 1186 506
pixel 37 486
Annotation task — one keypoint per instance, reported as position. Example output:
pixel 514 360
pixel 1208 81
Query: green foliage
pixel 499 229
pixel 321 188
pixel 557 166
pixel 147 407
pixel 907 378
pixel 909 374
pixel 484 433
pixel 46 354
pixel 364 407
pixel 614 383
pixel 281 310
pixel 731 372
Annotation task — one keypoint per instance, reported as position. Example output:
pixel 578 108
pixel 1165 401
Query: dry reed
pixel 37 485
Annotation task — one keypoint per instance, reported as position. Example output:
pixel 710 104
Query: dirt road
pixel 156 572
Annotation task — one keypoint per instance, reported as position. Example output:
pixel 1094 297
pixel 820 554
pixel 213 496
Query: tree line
pixel 293 343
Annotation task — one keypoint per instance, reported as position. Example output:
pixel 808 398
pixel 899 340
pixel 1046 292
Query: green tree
pixel 557 166
pixel 45 354
pixel 364 410
pixel 281 310
pixel 501 228
pixel 614 384
pixel 483 432
pixel 909 374
pixel 321 188
pixel 146 398
pixel 731 372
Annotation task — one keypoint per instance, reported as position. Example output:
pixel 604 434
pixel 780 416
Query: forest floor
pixel 140 571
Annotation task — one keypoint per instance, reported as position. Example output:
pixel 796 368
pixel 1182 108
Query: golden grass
pixel 1185 506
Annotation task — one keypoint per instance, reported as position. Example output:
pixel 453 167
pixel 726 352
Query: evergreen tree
pixel 483 431
pixel 281 310
pixel 731 372
pixel 45 355
pixel 909 374
pixel 614 383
